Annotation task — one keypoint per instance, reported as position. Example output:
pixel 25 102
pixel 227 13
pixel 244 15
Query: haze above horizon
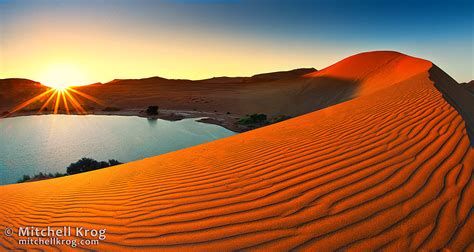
pixel 83 42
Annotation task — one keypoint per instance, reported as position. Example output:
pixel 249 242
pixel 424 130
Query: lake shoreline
pixel 49 143
pixel 223 120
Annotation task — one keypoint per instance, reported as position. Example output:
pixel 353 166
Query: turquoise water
pixel 49 143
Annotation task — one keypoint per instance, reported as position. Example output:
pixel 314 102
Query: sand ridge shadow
pixel 457 96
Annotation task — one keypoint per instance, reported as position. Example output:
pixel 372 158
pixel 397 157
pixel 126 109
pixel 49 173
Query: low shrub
pixel 254 119
pixel 280 118
pixel 40 176
pixel 88 164
pixel 82 165
pixel 152 110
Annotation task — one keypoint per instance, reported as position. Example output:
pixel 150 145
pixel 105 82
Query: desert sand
pixel 279 93
pixel 389 169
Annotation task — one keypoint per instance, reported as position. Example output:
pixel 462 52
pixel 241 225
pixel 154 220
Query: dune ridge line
pixel 390 168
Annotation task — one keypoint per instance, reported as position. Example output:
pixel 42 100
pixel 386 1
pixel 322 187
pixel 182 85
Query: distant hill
pixel 15 91
pixel 281 75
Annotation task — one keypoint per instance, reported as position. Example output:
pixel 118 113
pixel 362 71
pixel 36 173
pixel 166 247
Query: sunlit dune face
pixel 62 76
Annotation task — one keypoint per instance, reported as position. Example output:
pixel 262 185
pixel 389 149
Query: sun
pixel 62 76
pixel 62 97
pixel 58 86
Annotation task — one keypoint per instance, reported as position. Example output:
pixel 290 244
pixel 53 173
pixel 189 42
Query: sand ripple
pixel 390 169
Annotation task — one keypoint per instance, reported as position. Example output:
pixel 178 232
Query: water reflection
pixel 152 122
pixel 49 143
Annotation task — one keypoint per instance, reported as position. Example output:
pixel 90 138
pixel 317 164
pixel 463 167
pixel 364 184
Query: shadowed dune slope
pixel 390 169
pixel 460 96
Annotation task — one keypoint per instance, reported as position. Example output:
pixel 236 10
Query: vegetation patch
pixel 82 165
pixel 280 118
pixel 88 164
pixel 40 176
pixel 152 110
pixel 253 119
pixel 259 120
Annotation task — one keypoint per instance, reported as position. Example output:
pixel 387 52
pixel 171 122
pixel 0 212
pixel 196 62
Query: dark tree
pixel 152 110
pixel 113 162
pixel 254 119
pixel 83 165
pixel 258 118
pixel 280 118
pixel 24 179
pixel 103 164
pixel 88 164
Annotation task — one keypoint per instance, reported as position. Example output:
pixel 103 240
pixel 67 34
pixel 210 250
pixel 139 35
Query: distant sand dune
pixel 390 169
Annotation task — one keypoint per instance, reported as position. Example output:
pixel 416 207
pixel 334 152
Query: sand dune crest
pixel 390 169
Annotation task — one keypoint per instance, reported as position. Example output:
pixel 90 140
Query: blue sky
pixel 203 38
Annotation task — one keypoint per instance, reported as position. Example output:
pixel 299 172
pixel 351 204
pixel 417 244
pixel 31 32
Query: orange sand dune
pixel 375 71
pixel 390 169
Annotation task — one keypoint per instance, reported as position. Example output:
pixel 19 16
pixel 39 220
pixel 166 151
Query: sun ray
pixel 66 95
pixel 74 103
pixel 89 97
pixel 58 101
pixel 48 101
pixel 65 102
pixel 28 102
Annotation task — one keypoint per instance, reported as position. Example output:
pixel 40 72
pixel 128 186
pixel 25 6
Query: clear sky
pixel 87 41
